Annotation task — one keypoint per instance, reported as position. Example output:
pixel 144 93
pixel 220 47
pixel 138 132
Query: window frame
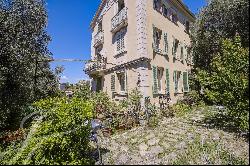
pixel 160 73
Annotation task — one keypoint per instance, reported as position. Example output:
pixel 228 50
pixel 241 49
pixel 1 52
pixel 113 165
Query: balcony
pixel 95 67
pixel 119 20
pixel 98 38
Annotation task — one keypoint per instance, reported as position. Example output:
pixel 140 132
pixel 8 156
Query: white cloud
pixel 64 78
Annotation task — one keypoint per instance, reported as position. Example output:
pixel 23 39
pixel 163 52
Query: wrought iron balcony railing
pixel 95 66
pixel 120 19
pixel 98 38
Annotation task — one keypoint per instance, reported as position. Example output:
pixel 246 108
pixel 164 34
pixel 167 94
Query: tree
pixel 23 51
pixel 228 81
pixel 219 19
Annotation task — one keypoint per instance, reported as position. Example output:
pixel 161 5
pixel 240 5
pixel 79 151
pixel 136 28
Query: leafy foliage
pixel 23 49
pixel 60 137
pixel 219 19
pixel 228 83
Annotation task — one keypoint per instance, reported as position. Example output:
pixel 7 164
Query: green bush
pixel 228 82
pixel 61 137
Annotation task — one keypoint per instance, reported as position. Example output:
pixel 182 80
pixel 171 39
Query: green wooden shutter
pixel 155 83
pixel 185 82
pixel 154 37
pixel 126 81
pixel 165 43
pixel 182 52
pixel 167 81
pixel 113 82
pixel 173 48
pixel 175 82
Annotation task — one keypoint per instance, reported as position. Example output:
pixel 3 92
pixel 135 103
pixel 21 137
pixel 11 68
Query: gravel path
pixel 170 140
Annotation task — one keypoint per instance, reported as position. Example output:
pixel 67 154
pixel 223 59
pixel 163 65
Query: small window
pixel 121 78
pixel 174 18
pixel 100 26
pixel 98 50
pixel 157 5
pixel 121 5
pixel 176 44
pixel 159 78
pixel 157 37
pixel 187 26
pixel 165 11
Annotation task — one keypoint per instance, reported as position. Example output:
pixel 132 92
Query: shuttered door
pixel 167 81
pixel 113 83
pixel 155 83
pixel 185 82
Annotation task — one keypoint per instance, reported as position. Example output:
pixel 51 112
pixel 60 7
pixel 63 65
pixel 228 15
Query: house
pixel 141 44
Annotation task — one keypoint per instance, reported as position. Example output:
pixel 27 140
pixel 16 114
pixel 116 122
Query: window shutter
pixel 154 37
pixel 122 43
pixel 167 81
pixel 182 52
pixel 185 82
pixel 126 81
pixel 113 83
pixel 165 43
pixel 173 48
pixel 155 83
pixel 175 82
pixel 118 42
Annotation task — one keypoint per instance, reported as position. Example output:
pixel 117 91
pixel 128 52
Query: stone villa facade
pixel 141 44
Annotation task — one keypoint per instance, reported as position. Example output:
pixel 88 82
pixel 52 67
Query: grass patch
pixel 207 152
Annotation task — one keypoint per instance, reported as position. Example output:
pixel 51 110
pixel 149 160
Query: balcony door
pixel 99 86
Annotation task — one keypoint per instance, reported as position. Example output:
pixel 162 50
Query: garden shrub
pixel 228 82
pixel 60 137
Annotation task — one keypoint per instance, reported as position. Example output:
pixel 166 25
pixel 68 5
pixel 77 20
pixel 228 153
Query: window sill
pixel 120 53
pixel 178 93
pixel 187 32
pixel 121 93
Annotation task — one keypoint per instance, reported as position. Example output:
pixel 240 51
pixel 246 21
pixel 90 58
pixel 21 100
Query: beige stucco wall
pixel 172 29
pixel 134 41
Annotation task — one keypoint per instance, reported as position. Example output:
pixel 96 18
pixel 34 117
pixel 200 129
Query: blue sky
pixel 68 26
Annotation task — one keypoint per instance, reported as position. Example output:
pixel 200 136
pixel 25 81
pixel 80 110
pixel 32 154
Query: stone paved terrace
pixel 175 141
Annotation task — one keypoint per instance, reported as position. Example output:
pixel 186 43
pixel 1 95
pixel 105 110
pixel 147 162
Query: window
pixel 157 5
pixel 122 80
pixel 120 40
pixel 174 15
pixel 121 5
pixel 185 82
pixel 174 18
pixel 175 47
pixel 100 26
pixel 165 11
pixel 157 38
pixel 187 26
pixel 182 52
pixel 178 81
pixel 159 78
